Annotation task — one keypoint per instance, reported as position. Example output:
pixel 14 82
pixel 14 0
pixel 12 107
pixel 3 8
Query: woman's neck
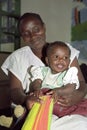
pixel 41 52
pixel 38 53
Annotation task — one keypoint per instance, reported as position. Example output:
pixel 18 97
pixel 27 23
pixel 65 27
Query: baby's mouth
pixel 60 66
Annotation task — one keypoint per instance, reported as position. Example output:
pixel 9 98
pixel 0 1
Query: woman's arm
pixel 83 87
pixel 17 93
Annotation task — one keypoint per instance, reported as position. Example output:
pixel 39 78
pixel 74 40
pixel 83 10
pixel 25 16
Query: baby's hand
pixel 38 93
pixel 53 93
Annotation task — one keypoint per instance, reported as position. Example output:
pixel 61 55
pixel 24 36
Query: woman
pixel 32 30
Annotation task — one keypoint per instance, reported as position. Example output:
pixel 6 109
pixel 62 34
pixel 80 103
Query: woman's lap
pixel 72 122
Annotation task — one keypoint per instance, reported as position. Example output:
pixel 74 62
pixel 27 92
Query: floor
pixel 6 112
pixel 16 125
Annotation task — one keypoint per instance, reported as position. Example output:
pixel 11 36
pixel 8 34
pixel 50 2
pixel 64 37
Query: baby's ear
pixel 46 59
pixel 69 63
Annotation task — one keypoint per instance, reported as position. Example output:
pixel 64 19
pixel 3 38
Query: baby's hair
pixel 56 44
pixel 29 15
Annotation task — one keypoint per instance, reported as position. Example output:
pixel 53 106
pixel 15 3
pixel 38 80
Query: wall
pixel 55 13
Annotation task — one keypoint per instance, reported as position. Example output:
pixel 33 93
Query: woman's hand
pixel 70 99
pixel 59 94
pixel 67 95
pixel 66 99
pixel 31 99
pixel 75 97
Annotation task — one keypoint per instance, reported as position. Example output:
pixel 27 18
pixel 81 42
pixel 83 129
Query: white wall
pixel 56 15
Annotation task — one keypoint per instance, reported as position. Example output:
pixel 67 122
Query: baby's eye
pixel 56 56
pixel 65 57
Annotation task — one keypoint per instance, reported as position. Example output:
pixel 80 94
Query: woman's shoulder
pixel 22 50
pixel 19 54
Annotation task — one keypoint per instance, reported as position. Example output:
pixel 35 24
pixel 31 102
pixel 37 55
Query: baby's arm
pixel 36 78
pixel 35 87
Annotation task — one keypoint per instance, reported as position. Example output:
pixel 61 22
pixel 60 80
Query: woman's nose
pixel 32 34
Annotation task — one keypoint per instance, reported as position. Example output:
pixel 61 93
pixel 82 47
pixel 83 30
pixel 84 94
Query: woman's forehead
pixel 31 20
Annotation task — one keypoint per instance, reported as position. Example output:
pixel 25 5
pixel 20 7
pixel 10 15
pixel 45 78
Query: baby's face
pixel 59 59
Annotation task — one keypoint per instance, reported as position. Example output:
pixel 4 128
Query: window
pixel 9 15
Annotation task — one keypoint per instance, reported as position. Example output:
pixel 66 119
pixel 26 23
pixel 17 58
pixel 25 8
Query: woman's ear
pixel 46 59
pixel 44 27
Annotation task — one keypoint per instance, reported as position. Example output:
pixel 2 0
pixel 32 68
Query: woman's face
pixel 33 32
pixel 58 59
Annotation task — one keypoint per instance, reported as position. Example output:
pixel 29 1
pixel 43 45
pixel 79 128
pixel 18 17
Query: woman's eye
pixel 25 34
pixel 36 29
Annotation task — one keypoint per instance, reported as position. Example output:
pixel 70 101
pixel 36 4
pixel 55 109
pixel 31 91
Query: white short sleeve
pixel 72 77
pixel 19 62
pixel 36 73
pixel 15 65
